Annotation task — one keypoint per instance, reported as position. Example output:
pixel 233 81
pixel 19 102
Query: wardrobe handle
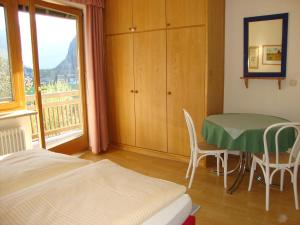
pixel 168 24
pixel 169 92
pixel 132 91
pixel 132 29
pixel 136 91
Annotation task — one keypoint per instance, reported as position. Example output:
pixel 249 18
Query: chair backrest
pixel 295 150
pixel 191 129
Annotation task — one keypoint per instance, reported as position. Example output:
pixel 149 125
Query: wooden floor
pixel 217 207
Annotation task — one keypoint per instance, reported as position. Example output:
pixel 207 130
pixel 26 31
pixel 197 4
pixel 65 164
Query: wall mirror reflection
pixel 265 45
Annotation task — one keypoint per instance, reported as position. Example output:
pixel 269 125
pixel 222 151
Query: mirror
pixel 265 45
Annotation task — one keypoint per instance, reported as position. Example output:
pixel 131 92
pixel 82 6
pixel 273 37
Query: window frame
pixel 15 57
pixel 82 141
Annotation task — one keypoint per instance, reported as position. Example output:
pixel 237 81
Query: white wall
pixel 262 96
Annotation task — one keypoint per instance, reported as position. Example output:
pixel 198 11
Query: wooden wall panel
pixel 215 63
pixel 150 82
pixel 186 63
pixel 120 86
pixel 149 14
pixel 184 58
pixel 118 16
pixel 185 12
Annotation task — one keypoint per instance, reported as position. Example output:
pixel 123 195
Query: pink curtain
pixel 97 3
pixel 96 93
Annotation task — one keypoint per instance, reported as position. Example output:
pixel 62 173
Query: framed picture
pixel 253 57
pixel 272 54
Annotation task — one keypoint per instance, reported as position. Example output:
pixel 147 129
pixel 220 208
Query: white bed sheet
pixel 173 214
pixel 120 196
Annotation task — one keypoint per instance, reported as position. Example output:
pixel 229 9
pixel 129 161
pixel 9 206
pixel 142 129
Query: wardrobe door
pixel 186 58
pixel 120 86
pixel 150 83
pixel 118 16
pixel 149 14
pixel 185 12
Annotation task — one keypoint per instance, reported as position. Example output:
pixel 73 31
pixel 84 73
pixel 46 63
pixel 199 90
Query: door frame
pixel 80 143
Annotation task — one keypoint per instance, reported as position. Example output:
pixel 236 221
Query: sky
pixel 54 37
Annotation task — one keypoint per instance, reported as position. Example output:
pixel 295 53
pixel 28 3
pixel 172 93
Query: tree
pixel 5 80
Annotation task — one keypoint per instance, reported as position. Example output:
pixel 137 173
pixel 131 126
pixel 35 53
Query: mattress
pixel 23 170
pixel 100 193
pixel 26 168
pixel 173 214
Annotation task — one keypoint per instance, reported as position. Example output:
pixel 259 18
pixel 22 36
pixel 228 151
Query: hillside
pixel 66 70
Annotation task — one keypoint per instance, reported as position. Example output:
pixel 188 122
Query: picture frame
pixel 248 73
pixel 272 55
pixel 253 57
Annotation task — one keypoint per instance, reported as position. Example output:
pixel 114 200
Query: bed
pixel 42 187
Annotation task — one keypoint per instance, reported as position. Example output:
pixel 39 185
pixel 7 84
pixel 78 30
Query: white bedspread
pixel 22 169
pixel 100 193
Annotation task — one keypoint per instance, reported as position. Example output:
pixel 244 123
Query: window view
pixel 59 74
pixel 6 93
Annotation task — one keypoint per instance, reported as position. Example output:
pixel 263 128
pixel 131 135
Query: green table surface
pixel 244 132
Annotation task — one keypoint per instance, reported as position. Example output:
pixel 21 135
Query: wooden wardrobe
pixel 162 56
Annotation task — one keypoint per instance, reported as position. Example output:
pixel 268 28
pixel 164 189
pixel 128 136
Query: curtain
pixel 95 3
pixel 96 95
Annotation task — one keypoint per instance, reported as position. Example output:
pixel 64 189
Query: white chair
pixel 197 154
pixel 287 161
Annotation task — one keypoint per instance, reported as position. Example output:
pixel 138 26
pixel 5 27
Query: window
pixel 11 74
pixel 6 94
pixel 58 55
pixel 42 69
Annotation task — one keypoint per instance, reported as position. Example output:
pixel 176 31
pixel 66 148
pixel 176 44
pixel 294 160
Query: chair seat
pixel 206 147
pixel 209 149
pixel 283 158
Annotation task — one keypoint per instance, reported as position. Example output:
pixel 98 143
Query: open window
pixel 11 74
pixel 42 69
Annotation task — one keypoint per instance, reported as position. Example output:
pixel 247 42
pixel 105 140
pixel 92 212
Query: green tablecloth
pixel 244 132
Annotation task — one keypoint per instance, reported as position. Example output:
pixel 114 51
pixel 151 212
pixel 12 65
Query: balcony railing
pixel 61 113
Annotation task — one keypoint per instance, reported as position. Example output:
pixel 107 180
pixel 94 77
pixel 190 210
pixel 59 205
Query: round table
pixel 244 132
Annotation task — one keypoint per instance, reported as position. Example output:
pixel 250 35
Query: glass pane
pixel 24 23
pixel 59 76
pixel 6 94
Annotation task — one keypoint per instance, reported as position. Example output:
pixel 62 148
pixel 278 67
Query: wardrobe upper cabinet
pixel 118 16
pixel 150 84
pixel 186 63
pixel 149 14
pixel 120 86
pixel 185 12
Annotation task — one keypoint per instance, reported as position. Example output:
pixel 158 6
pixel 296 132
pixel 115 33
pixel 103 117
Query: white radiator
pixel 12 140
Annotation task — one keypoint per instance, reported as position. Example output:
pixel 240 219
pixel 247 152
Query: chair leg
pixel 251 174
pixel 192 176
pixel 218 164
pixel 194 165
pixel 225 168
pixel 267 180
pixel 295 187
pixel 281 179
pixel 189 168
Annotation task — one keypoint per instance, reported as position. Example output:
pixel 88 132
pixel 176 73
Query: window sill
pixel 17 113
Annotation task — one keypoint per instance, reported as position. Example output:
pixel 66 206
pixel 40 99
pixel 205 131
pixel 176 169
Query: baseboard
pixel 153 153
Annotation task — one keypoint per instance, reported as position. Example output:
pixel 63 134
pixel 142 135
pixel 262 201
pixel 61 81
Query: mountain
pixel 66 70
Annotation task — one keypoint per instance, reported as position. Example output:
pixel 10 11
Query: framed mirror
pixel 265 46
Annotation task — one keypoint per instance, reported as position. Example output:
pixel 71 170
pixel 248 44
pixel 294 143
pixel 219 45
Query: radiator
pixel 12 140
